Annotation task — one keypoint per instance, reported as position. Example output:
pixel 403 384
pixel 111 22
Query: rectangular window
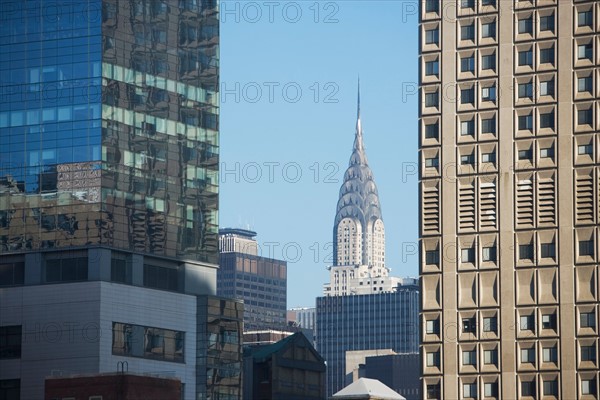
pixel 547 23
pixel 551 388
pixel 10 389
pixel 527 322
pixel 467 3
pixel 525 122
pixel 547 88
pixel 469 357
pixel 488 62
pixel 431 131
pixel 490 389
pixel 526 58
pixel 467 128
pixel 528 355
pixel 431 99
pixel 549 354
pixel 548 250
pixel 585 84
pixel 585 51
pixel 467 64
pixel 12 274
pixel 587 319
pixel 585 149
pixel 585 18
pixel 467 32
pixel 467 159
pixel 488 30
pixel 488 125
pixel 490 324
pixel 467 255
pixel 10 342
pixel 161 277
pixel 432 68
pixel 488 93
pixel 588 353
pixel 585 117
pixel 147 342
pixel 488 3
pixel 433 359
pixel 547 120
pixel 467 96
pixel 120 270
pixel 549 321
pixel 490 357
pixel 67 270
pixel 432 326
pixel 432 36
pixel 489 253
pixel 525 154
pixel 488 158
pixel 431 162
pixel 528 388
pixel 469 325
pixel 470 390
pixel 588 386
pixel 547 152
pixel 432 257
pixel 525 90
pixel 432 6
pixel 547 55
pixel 526 25
pixel 525 250
pixel 433 391
pixel 586 248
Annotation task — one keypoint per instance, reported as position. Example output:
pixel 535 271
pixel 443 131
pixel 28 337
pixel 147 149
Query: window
pixel 10 389
pixel 431 131
pixel 547 88
pixel 433 359
pixel 585 149
pixel 547 152
pixel 432 257
pixel 490 357
pixel 488 93
pixel 586 248
pixel 10 342
pixel 432 6
pixel 469 357
pixel 431 99
pixel 548 250
pixel 147 342
pixel 467 3
pixel 528 355
pixel 161 277
pixel 588 353
pixel 588 386
pixel 467 64
pixel 490 324
pixel 467 128
pixel 431 162
pixel 547 55
pixel 488 30
pixel 528 388
pixel 469 325
pixel 547 120
pixel 488 3
pixel 432 36
pixel 467 96
pixel 585 117
pixel 488 158
pixel 467 159
pixel 120 270
pixel 526 25
pixel 549 354
pixel 490 389
pixel 547 23
pixel 432 326
pixel 527 322
pixel 12 274
pixel 549 321
pixel 525 250
pixel 488 62
pixel 433 391
pixel 467 32
pixel 467 255
pixel 432 68
pixel 585 51
pixel 525 122
pixel 489 253
pixel 470 390
pixel 585 18
pixel 587 319
pixel 525 90
pixel 526 58
pixel 525 155
pixel 488 125
pixel 551 388
pixel 67 270
pixel 585 84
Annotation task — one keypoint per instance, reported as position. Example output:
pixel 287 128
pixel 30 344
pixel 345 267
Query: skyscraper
pixel 362 308
pixel 508 199
pixel 109 192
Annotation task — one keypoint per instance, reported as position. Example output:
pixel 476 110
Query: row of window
pixel 147 342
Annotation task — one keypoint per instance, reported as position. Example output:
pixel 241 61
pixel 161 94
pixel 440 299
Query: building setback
pixel 109 195
pixel 260 282
pixel 509 199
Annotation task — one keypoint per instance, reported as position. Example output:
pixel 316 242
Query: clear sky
pixel 288 112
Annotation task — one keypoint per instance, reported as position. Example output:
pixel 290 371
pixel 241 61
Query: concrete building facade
pixel 509 198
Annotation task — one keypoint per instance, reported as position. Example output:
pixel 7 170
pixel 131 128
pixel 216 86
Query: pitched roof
pixel 366 388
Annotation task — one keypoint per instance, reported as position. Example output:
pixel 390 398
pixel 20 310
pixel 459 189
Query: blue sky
pixel 288 111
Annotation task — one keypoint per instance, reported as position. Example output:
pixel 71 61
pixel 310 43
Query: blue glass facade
pixel 365 322
pixel 109 126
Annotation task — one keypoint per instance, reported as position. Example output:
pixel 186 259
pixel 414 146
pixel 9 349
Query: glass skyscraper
pixel 109 142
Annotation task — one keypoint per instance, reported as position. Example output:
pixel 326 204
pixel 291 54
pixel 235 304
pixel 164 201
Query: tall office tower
pixel 509 198
pixel 261 282
pixel 109 194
